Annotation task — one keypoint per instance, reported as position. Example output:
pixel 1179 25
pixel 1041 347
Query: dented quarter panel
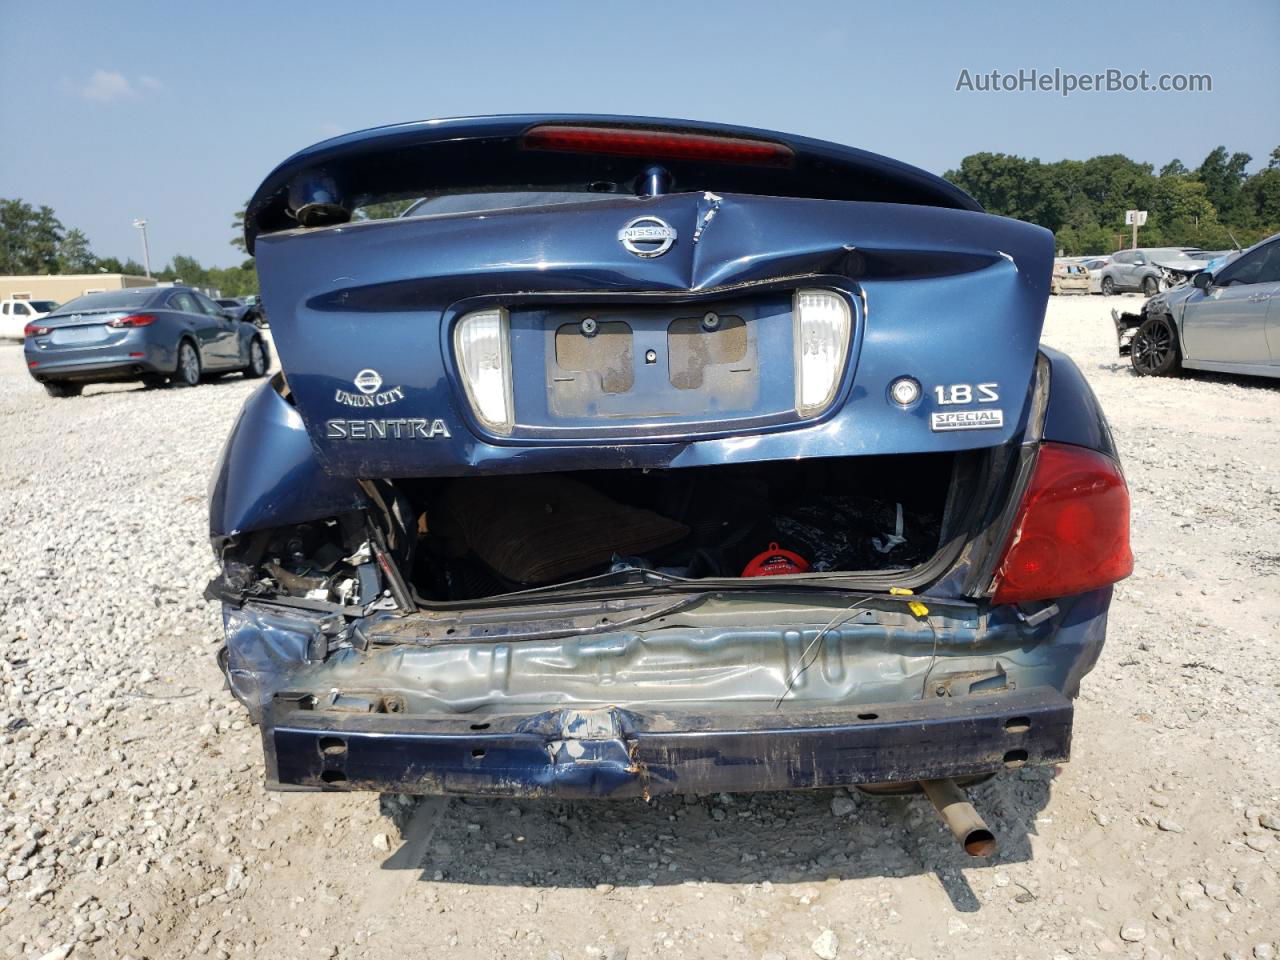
pixel 268 474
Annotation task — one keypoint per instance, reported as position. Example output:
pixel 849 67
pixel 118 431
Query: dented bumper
pixel 612 752
pixel 738 695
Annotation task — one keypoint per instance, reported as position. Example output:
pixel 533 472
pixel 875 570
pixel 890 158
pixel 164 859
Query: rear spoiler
pixel 324 184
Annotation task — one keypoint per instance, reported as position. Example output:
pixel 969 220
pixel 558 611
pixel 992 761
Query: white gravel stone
pixel 826 946
pixel 1132 931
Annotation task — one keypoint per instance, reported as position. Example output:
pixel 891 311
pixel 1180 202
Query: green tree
pixel 1084 201
pixel 1114 183
pixel 29 238
pixel 184 269
pixel 1260 198
pixel 113 265
pixel 1223 176
pixel 1012 187
pixel 74 255
pixel 237 228
pixel 229 281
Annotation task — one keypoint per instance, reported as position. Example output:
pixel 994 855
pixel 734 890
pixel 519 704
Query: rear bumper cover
pixel 615 752
pixel 116 366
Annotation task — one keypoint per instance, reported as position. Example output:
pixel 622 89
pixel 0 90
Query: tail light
pixel 484 360
pixel 658 144
pixel 1072 532
pixel 822 325
pixel 35 330
pixel 133 320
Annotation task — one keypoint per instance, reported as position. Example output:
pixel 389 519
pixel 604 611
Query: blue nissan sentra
pixel 648 456
pixel 152 334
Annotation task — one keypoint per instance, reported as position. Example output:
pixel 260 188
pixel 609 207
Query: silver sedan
pixel 1227 320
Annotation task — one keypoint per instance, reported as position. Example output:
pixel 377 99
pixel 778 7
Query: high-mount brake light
pixel 658 144
pixel 1072 531
pixel 133 320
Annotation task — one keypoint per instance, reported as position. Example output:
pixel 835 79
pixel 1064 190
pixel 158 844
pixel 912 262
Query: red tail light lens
pixel 133 320
pixel 1072 532
pixel 658 144
pixel 34 330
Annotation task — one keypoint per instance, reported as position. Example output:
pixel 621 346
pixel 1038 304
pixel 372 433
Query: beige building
pixel 67 286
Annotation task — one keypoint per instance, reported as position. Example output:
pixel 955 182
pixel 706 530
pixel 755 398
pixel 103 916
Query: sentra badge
pixel 368 382
pixel 406 428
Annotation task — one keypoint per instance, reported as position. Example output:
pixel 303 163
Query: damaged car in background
pixel 644 456
pixel 1151 270
pixel 1227 319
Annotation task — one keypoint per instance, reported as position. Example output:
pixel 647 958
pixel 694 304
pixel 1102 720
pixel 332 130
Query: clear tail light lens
pixel 133 320
pixel 1072 532
pixel 482 345
pixel 822 326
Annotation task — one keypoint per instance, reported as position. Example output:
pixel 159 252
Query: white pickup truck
pixel 16 314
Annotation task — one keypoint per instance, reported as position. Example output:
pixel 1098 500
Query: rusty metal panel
pixel 607 354
pixel 695 353
pixel 621 753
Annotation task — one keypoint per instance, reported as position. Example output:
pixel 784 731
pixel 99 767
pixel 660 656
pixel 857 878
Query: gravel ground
pixel 133 821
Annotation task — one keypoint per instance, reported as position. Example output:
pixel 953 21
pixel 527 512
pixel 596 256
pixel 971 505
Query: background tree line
pixel 34 241
pixel 1215 206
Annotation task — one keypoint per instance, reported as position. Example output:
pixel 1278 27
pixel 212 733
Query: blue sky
pixel 174 112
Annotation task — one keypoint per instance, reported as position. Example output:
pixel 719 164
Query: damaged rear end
pixel 643 457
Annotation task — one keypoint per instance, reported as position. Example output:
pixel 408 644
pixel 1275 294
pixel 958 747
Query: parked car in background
pixel 1069 277
pixel 247 309
pixel 152 334
pixel 1094 265
pixel 16 314
pixel 592 479
pixel 1226 320
pixel 1148 270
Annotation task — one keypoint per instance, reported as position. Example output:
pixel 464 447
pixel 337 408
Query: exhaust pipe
pixel 961 819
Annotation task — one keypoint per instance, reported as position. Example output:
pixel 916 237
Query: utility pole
pixel 146 251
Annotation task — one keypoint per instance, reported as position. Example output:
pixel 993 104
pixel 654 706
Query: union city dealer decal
pixel 369 384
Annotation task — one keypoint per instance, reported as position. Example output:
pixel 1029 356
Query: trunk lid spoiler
pixel 325 183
